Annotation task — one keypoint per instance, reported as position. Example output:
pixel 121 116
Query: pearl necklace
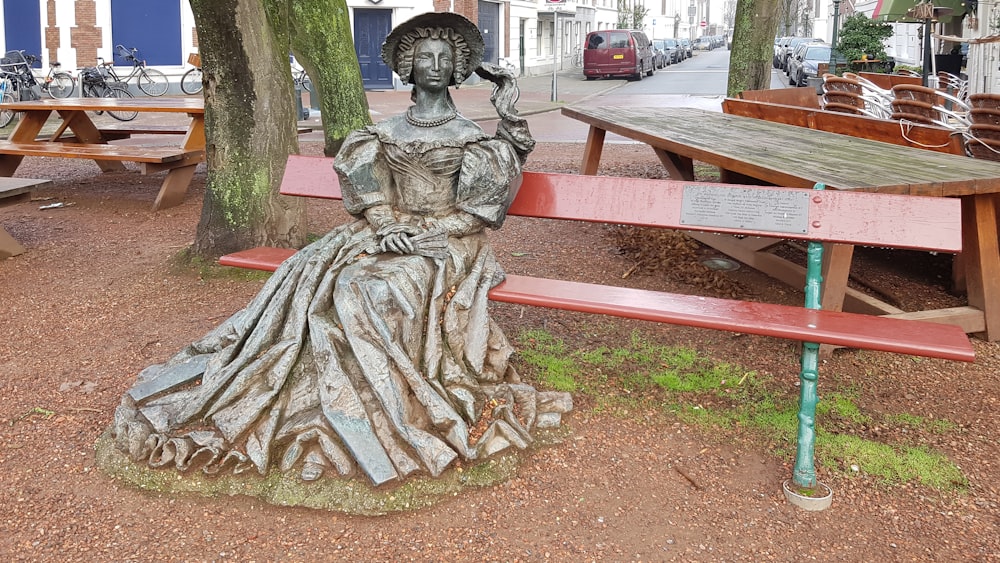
pixel 416 121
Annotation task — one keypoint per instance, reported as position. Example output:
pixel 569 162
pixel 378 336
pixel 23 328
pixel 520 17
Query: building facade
pixel 535 36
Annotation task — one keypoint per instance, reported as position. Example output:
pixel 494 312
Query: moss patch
pixel 351 496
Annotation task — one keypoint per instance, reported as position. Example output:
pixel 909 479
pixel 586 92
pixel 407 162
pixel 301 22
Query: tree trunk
pixel 753 45
pixel 250 129
pixel 321 38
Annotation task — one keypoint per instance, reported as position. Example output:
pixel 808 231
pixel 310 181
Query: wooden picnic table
pixel 785 155
pixel 78 137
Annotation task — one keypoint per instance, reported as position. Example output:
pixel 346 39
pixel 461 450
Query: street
pixel 698 82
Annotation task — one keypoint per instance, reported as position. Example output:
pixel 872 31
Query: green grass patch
pixel 933 425
pixel 678 383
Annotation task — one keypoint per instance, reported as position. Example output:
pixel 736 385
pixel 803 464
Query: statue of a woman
pixel 371 349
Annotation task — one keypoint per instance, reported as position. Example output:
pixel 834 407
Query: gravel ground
pixel 94 300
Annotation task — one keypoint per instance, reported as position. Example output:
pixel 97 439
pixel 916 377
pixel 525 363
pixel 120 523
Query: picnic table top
pixel 195 104
pixel 793 156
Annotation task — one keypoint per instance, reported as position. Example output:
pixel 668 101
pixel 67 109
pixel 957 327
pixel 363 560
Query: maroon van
pixel 617 52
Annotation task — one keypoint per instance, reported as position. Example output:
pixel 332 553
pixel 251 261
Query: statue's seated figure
pixel 371 349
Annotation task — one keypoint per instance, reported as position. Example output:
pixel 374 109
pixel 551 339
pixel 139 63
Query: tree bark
pixel 250 128
pixel 321 38
pixel 753 41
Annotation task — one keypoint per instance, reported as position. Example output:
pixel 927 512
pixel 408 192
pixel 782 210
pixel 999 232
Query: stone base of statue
pixel 349 496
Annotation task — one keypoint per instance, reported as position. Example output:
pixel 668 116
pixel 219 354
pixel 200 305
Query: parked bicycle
pixel 301 79
pixel 16 68
pixel 57 83
pixel 6 97
pixel 149 80
pixel 191 81
pixel 17 83
pixel 94 84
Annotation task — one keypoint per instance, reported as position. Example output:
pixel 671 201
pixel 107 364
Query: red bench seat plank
pixel 264 258
pixel 782 321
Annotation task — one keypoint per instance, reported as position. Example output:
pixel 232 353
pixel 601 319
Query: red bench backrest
pixel 902 221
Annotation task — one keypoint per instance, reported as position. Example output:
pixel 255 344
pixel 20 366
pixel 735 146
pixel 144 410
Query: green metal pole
pixel 804 472
pixel 833 40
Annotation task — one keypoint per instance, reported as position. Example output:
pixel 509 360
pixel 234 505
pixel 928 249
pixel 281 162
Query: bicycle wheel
pixel 61 86
pixel 118 92
pixel 191 81
pixel 6 115
pixel 153 82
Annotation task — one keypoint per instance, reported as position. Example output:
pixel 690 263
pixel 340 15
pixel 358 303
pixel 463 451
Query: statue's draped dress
pixel 353 359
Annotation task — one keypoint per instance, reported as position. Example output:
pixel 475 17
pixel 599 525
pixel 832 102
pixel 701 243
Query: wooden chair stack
pixel 844 95
pixel 878 100
pixel 953 85
pixel 983 140
pixel 929 106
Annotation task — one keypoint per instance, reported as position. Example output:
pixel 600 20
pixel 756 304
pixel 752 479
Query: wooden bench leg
pixel 86 132
pixel 592 151
pixel 981 257
pixel 25 132
pixel 8 246
pixel 678 167
pixel 836 271
pixel 174 187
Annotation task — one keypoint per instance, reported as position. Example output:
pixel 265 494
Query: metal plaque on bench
pixel 759 209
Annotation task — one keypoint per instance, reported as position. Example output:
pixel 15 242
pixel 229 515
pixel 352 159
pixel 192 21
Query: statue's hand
pixel 396 238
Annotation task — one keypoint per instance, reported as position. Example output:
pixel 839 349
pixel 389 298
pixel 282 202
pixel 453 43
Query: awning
pixel 895 10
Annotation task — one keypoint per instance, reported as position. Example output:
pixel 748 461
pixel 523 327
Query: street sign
pixel 692 10
pixel 704 23
pixel 555 1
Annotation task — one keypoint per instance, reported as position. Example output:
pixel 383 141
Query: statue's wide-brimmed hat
pixel 460 24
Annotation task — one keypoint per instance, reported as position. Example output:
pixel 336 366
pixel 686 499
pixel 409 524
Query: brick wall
pixel 51 31
pixel 86 36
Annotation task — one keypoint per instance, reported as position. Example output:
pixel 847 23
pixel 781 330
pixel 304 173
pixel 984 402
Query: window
pixel 619 40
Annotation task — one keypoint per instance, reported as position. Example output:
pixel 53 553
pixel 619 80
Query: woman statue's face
pixel 433 64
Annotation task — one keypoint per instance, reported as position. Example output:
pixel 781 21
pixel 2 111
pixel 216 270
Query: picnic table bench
pixel 119 131
pixel 810 215
pixel 13 191
pixel 77 136
pixel 801 97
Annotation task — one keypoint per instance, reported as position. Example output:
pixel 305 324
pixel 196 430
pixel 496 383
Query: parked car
pixel 687 49
pixel 618 52
pixel 661 57
pixel 670 49
pixel 792 44
pixel 779 49
pixel 805 60
pixel 703 43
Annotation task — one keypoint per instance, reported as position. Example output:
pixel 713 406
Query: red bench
pixel 828 216
pixel 924 223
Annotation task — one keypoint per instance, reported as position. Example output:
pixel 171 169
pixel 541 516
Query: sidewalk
pixel 473 101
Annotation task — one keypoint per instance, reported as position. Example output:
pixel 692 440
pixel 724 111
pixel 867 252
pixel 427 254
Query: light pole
pixel 692 11
pixel 833 40
pixel 836 22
